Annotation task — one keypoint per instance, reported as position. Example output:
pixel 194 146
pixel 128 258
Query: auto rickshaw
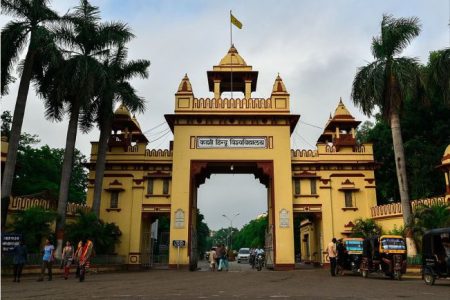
pixel 436 254
pixel 385 254
pixel 351 257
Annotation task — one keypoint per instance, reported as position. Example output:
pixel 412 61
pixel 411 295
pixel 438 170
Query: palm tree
pixel 439 72
pixel 71 84
pixel 386 83
pixel 432 216
pixel 30 27
pixel 115 88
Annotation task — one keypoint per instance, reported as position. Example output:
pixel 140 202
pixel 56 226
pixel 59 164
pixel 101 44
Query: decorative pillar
pixel 248 89
pixel 217 88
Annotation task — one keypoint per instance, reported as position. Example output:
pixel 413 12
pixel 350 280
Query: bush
pixel 34 224
pixel 87 225
pixel 366 228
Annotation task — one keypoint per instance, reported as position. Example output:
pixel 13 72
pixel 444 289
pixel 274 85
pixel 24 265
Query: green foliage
pixel 34 224
pixel 252 234
pixel 39 169
pixel 104 235
pixel 428 217
pixel 426 133
pixel 26 139
pixel 6 123
pixel 365 228
pixel 202 234
pixel 439 73
pixel 398 231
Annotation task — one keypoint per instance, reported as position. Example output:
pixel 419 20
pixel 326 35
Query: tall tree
pixel 386 83
pixel 33 17
pixel 116 88
pixel 439 72
pixel 75 81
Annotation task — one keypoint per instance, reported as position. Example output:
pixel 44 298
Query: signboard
pixel 179 243
pixel 231 142
pixel 179 218
pixel 9 241
pixel 284 218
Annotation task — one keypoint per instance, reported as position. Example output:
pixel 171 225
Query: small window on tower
pixel 150 186
pixel 166 187
pixel 348 198
pixel 297 186
pixel 313 186
pixel 114 199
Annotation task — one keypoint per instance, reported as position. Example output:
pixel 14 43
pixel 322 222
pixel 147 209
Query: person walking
pixel 19 260
pixel 331 249
pixel 84 252
pixel 67 259
pixel 47 260
pixel 212 259
pixel 223 259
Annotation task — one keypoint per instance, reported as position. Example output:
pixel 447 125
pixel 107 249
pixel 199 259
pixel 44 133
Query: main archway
pixel 332 185
pixel 250 134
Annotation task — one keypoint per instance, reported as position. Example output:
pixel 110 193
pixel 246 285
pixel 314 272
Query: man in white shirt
pixel 331 249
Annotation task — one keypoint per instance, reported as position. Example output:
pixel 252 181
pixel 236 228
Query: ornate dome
pixel 185 85
pixel 232 58
pixel 122 111
pixel 342 112
pixel 446 157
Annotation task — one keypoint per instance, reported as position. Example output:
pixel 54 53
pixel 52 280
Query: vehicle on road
pixel 260 258
pixel 436 255
pixel 385 254
pixel 243 255
pixel 350 259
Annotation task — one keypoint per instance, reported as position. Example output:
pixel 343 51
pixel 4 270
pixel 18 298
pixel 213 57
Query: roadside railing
pixel 414 260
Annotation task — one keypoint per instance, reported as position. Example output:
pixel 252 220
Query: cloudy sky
pixel 316 46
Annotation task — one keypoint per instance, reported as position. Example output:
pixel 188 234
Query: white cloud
pixel 315 45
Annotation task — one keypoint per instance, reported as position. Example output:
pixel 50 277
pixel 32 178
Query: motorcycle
pixel 252 260
pixel 259 261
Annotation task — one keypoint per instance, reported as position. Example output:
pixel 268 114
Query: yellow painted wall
pixel 280 155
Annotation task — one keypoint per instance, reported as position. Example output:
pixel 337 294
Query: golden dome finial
pixel 278 86
pixel 185 84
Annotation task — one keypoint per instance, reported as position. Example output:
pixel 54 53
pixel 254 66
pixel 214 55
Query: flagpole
pixel 231 32
pixel 231 45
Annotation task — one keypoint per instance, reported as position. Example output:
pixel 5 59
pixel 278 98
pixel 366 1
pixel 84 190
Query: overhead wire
pixel 312 125
pixel 163 141
pixel 303 139
pixel 160 124
pixel 160 137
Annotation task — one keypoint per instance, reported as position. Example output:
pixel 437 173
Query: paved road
pixel 241 282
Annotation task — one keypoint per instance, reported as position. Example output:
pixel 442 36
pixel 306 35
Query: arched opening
pixel 202 170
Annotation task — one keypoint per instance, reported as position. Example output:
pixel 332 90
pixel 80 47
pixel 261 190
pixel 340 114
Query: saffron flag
pixel 235 21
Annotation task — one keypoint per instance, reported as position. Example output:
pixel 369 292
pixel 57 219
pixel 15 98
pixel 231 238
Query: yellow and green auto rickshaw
pixel 385 254
pixel 350 255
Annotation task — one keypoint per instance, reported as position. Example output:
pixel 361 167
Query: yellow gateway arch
pixel 331 185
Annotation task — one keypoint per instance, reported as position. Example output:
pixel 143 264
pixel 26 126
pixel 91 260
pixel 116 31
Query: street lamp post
pixel 231 228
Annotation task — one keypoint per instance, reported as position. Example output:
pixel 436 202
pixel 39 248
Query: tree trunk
pixel 16 128
pixel 66 172
pixel 105 132
pixel 400 164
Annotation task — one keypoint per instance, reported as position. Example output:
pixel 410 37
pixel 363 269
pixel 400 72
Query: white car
pixel 243 255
